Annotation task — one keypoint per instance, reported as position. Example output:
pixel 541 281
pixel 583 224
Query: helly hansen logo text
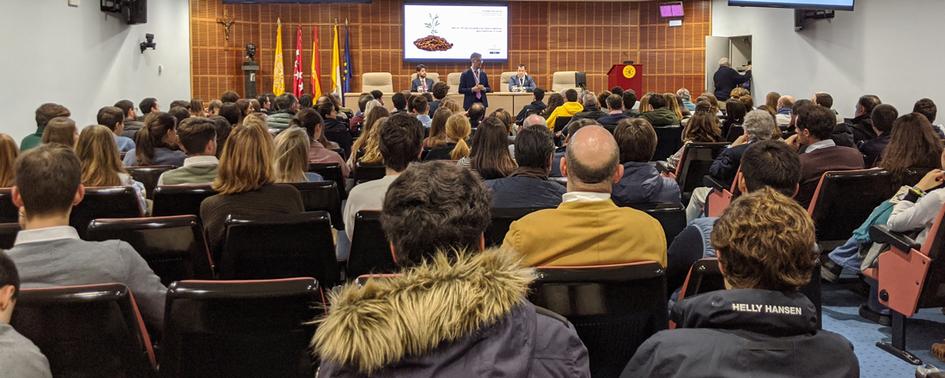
pixel 768 309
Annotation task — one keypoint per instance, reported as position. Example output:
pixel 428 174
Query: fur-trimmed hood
pixel 437 303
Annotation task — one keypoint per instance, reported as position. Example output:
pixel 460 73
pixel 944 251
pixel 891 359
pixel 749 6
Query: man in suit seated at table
pixel 521 82
pixel 474 84
pixel 421 83
pixel 588 228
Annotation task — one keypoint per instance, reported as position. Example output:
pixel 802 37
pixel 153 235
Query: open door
pixel 715 48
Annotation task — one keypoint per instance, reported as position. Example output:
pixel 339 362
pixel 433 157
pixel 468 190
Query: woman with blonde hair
pixel 61 130
pixel 246 185
pixel 291 157
pixel 452 106
pixel 645 103
pixel 8 154
pixel 458 129
pixel 437 128
pixel 101 165
pixel 673 104
pixel 365 149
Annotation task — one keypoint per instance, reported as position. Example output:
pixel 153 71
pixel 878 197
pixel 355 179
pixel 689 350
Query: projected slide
pixel 451 32
pixel 809 4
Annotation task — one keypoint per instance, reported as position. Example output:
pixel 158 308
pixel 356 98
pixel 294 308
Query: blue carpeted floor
pixel 840 316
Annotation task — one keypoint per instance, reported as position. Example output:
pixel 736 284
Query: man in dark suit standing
pixel 421 84
pixel 473 83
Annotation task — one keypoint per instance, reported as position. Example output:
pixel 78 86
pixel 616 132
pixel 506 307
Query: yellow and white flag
pixel 335 63
pixel 278 76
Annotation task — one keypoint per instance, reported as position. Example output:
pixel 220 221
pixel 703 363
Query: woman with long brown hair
pixel 912 145
pixel 246 184
pixel 101 165
pixel 438 128
pixel 156 142
pixel 61 130
pixel 8 154
pixel 703 127
pixel 318 153
pixel 490 150
pixel 458 129
pixel 554 101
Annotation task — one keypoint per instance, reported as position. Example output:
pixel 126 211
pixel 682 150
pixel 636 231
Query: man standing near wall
pixel 474 84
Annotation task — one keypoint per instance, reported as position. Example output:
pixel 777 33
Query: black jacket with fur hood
pixel 462 318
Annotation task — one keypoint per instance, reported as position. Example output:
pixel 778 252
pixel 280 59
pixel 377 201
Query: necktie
pixel 478 94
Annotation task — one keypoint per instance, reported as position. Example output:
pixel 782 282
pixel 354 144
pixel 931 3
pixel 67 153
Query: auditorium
pixel 472 188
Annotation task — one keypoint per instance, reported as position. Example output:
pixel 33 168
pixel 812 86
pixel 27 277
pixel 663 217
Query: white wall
pixel 888 48
pixel 83 59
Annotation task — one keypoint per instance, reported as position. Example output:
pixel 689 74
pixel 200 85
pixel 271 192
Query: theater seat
pixel 8 233
pixel 453 80
pixel 672 216
pixel 705 276
pixel 694 165
pixel 322 195
pixel 240 328
pixel 104 202
pixel 381 81
pixel 721 195
pixel 86 331
pixel 561 123
pixel 668 141
pixel 909 276
pixel 843 200
pixel 180 199
pixel 331 172
pixel 8 212
pixel 502 219
pixel 280 246
pixel 174 246
pixel 148 175
pixel 564 80
pixel 370 251
pixel 504 79
pixel 368 172
pixel 614 308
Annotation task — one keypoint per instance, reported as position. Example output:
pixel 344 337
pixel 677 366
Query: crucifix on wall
pixel 227 21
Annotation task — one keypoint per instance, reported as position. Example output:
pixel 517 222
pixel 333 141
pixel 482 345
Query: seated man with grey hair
pixel 686 97
pixel 758 126
pixel 591 107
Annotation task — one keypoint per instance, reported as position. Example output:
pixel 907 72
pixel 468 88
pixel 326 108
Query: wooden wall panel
pixel 548 36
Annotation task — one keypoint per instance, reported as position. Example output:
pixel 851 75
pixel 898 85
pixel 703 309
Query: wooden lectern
pixel 627 76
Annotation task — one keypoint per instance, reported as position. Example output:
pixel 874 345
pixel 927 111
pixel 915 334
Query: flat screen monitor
pixel 796 4
pixel 451 32
pixel 671 9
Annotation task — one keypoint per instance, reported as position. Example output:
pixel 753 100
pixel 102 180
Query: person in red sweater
pixel 819 153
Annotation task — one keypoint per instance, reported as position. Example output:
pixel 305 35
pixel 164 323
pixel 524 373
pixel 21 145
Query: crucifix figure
pixel 227 22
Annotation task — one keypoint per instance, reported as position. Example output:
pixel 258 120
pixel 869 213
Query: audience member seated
pixel 588 228
pixel 440 91
pixel 489 155
pixel 912 145
pixel 528 186
pixel 422 107
pixel 554 101
pixel 686 98
pixel 61 130
pixel 437 133
pixel 8 154
pixel 927 108
pixel 591 107
pixel 535 107
pixel 223 128
pixel 229 97
pixel 673 104
pixel 661 115
pixel 765 243
pixel 883 117
pixel 703 127
pixel 335 130
pixel 814 128
pixel 365 149
pixel 286 107
pixel 641 182
pixel 245 184
pixel 156 143
pixel 197 109
pixel 434 216
pixel 567 109
pixel 131 123
pixel 44 113
pixel 861 124
pixel 48 252
pixel 291 157
pixel 399 143
pixel 616 114
pixel 455 148
pixel 198 139
pixel 216 105
pixel 318 153
pixel 101 164
pixel 113 118
pixel 476 113
pixel 180 113
pixel 399 100
pixel 735 113
pixel 233 114
pixel 629 98
pixel 356 123
pixel 784 112
pixel 18 355
pixel 562 151
pixel 769 164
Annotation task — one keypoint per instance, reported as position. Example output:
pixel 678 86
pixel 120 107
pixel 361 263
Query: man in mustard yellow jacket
pixel 588 228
